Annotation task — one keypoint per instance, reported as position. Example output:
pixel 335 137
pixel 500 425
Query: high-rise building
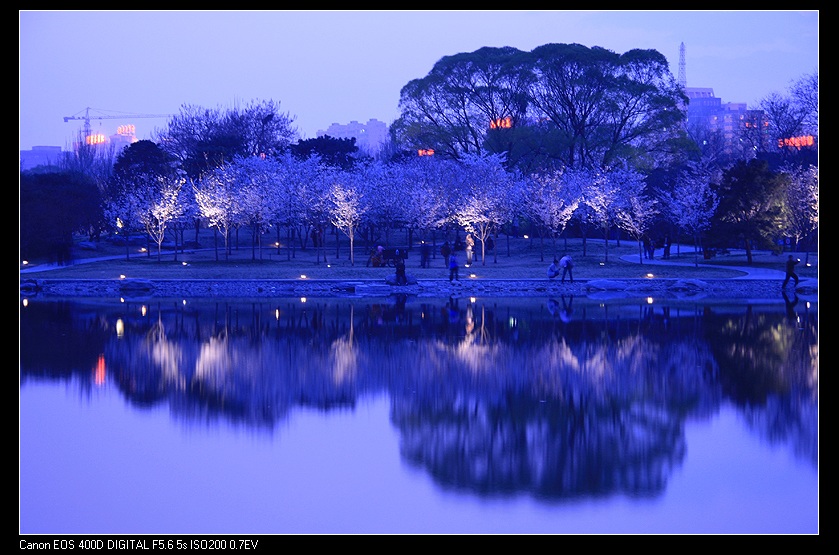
pixel 729 126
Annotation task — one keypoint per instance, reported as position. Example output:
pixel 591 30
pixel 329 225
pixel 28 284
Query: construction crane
pixel 87 117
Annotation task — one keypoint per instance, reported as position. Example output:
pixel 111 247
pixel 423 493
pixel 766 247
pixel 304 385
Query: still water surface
pixel 408 415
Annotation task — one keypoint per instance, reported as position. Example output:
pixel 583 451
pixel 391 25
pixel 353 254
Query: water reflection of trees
pixel 497 397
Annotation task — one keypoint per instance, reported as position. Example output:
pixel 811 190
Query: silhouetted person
pixel 425 255
pixel 567 265
pixel 553 269
pixel 453 268
pixel 446 251
pixel 401 278
pixel 790 271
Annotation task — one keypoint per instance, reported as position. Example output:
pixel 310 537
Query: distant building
pixel 40 156
pixel 369 137
pixel 730 126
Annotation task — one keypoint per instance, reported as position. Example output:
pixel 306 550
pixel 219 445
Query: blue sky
pixel 327 67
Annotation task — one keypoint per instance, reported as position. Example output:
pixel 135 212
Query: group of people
pixel 650 246
pixel 564 265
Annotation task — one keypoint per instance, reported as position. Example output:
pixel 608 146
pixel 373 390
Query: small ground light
pixel 302 276
pixel 602 263
pixel 185 263
pixel 649 275
pixel 122 276
pixel 25 262
pixel 649 300
pixel 473 276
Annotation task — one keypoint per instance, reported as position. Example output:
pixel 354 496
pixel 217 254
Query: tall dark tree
pixel 750 209
pixel 462 98
pixel 142 157
pixel 334 152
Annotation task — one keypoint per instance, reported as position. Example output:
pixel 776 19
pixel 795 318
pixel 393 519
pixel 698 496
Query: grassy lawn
pixel 519 258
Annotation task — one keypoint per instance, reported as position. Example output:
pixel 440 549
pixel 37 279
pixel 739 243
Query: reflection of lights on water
pixel 99 371
pixel 302 276
pixel 649 275
pixel 513 322
pixel 120 327
pixel 122 276
pixel 277 314
pixel 808 304
pixel 143 310
pixel 183 302
pixel 302 299
pixel 25 302
pixel 649 300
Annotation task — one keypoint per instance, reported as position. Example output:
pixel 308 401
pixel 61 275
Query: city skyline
pixel 326 67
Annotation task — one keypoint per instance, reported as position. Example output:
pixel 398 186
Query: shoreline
pixel 764 290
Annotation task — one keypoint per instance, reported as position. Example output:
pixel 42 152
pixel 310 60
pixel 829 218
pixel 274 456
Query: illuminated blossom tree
pixel 551 199
pixel 692 202
pixel 347 206
pixel 802 203
pixel 160 206
pixel 256 178
pixel 602 195
pixel 217 196
pixel 482 208
pixel 636 210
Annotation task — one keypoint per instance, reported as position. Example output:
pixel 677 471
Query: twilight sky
pixel 327 67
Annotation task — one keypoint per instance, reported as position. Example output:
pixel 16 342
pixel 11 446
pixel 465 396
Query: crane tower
pixel 87 117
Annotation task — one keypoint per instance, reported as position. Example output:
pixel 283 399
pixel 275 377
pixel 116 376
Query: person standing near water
pixel 567 265
pixel 790 271
pixel 453 268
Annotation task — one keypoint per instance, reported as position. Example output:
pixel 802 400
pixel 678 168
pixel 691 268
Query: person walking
pixel 453 268
pixel 567 265
pixel 790 271
pixel 553 269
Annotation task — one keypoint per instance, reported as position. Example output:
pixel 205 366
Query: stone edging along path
pixel 769 289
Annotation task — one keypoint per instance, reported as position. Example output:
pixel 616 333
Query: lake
pixel 406 415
